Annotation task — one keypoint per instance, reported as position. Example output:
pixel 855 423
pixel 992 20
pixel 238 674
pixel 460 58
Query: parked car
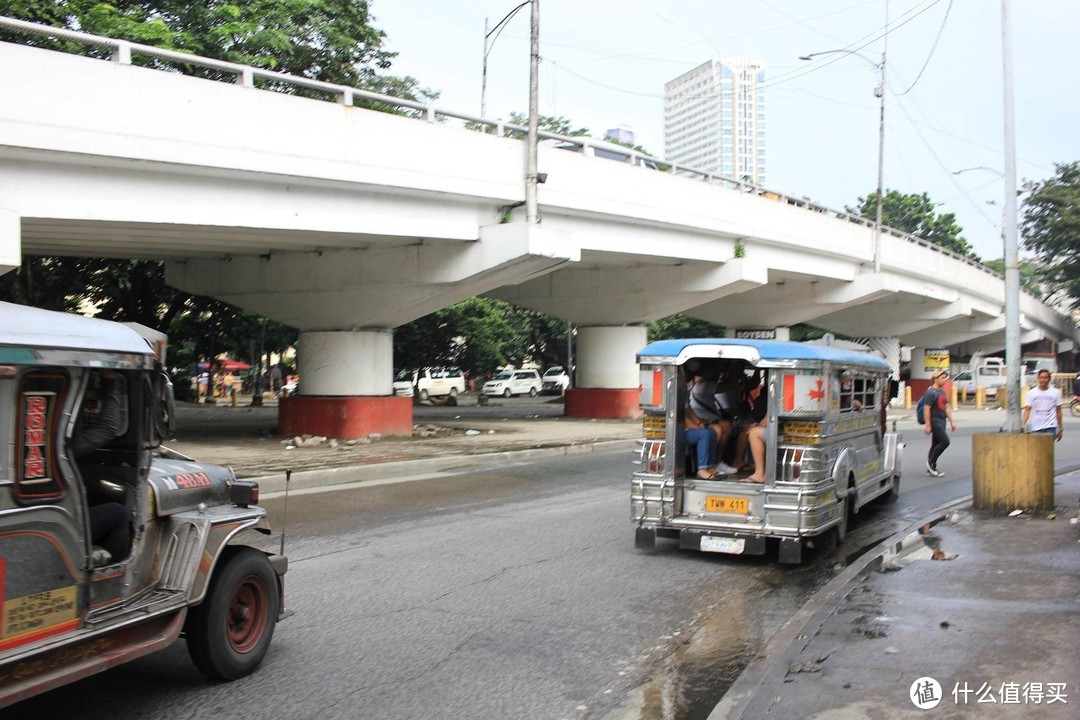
pixel 514 382
pixel 556 379
pixel 430 382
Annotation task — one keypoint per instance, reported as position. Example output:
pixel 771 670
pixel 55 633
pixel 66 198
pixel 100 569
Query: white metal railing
pixel 122 51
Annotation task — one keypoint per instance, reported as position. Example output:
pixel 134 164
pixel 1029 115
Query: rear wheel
pixel 423 395
pixel 840 530
pixel 229 633
pixel 532 392
pixel 453 392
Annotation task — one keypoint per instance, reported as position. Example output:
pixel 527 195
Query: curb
pixel 815 611
pixel 402 471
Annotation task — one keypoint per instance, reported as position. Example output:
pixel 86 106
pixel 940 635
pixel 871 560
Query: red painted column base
pixel 618 404
pixel 345 418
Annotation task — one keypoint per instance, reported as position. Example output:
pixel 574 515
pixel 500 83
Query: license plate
pixel 733 546
pixel 719 503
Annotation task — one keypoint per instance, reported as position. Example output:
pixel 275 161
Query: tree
pixel 914 214
pixel 1031 274
pixel 1050 225
pixel 682 326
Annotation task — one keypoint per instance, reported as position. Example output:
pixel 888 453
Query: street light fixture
pixel 487 49
pixel 879 92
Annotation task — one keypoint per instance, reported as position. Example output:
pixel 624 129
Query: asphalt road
pixel 513 593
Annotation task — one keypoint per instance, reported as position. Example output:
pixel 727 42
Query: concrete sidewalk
pixel 996 626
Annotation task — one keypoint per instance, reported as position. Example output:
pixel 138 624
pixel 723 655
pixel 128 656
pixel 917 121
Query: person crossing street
pixel 1043 407
pixel 936 411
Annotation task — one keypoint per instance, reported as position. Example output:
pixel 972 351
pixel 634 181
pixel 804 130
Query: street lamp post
pixel 487 49
pixel 880 93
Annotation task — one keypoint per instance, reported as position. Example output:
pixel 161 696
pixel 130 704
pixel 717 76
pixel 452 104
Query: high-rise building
pixel 714 119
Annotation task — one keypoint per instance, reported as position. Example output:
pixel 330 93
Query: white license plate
pixel 733 546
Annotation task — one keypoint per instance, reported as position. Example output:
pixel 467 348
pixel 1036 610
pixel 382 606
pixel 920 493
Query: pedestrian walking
pixel 936 410
pixel 1043 407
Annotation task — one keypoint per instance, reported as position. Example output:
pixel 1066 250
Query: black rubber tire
pixel 423 395
pixel 229 633
pixel 507 393
pixel 532 392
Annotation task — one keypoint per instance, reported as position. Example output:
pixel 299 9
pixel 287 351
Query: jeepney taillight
pixel 243 493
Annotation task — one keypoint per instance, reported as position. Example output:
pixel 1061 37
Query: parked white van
pixel 429 382
pixel 514 382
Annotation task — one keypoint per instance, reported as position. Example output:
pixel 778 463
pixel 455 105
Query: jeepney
pixel 186 561
pixel 827 450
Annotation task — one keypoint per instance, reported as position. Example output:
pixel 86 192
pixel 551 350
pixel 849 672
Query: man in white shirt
pixel 1043 407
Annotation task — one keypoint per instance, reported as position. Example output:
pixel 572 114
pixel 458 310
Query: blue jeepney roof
pixel 767 350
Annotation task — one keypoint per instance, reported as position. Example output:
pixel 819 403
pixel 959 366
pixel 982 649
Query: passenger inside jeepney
pixel 752 437
pixel 101 420
pixel 701 405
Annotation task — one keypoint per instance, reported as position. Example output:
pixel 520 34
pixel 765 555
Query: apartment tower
pixel 714 119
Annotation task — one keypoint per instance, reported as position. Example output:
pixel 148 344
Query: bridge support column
pixel 346 381
pixel 607 373
pixel 10 241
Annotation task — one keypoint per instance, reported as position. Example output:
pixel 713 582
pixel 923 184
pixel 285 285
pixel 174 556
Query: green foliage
pixel 1032 274
pixel 682 326
pixel 740 249
pixel 481 334
pixel 915 215
pixel 558 125
pixel 1051 229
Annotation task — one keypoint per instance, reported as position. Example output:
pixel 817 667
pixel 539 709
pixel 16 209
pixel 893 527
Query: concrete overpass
pixel 346 222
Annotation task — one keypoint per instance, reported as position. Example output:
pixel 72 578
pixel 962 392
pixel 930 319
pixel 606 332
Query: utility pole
pixel 881 149
pixel 483 75
pixel 1012 257
pixel 534 103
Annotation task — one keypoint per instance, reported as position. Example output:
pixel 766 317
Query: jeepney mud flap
pixel 728 543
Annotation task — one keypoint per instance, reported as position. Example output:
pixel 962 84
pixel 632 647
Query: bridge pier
pixel 607 373
pixel 346 387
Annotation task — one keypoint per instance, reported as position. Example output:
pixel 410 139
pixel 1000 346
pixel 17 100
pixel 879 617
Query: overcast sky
pixel 605 64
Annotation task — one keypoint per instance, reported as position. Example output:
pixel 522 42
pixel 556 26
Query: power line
pixel 932 49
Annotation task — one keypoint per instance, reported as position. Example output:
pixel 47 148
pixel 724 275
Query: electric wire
pixel 933 47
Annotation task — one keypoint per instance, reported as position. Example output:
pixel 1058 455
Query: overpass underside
pixel 346 223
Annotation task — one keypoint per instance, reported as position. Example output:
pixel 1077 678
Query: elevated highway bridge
pixel 346 222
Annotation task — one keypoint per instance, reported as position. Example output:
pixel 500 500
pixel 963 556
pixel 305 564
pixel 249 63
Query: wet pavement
pixel 998 620
pixel 993 630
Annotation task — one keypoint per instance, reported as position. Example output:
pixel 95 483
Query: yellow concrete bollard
pixel 232 394
pixel 952 396
pixel 907 397
pixel 980 397
pixel 1012 471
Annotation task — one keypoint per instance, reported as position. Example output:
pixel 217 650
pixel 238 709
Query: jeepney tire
pixel 229 633
pixel 893 493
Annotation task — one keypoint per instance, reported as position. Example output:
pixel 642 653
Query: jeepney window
pixel 856 393
pixel 40 405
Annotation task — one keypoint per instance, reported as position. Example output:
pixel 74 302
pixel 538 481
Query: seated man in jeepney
pixel 701 405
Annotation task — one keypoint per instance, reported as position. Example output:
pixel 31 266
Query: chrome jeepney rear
pixel 824 449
